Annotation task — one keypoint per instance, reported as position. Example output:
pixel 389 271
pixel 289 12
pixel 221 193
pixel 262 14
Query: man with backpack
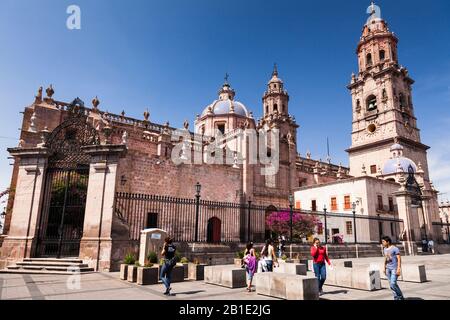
pixel 169 263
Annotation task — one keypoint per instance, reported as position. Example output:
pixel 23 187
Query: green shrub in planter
pixel 137 264
pixel 284 257
pixel 152 257
pixel 148 265
pixel 240 255
pixel 129 259
pixel 184 260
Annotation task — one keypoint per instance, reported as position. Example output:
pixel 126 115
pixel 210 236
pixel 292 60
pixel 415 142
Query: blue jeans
pixel 166 274
pixel 392 277
pixel 269 265
pixel 320 270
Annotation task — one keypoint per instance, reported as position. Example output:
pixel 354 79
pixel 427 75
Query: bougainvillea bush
pixel 303 225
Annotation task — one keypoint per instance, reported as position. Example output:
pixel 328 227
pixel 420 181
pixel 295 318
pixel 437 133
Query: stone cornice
pixel 118 149
pixel 388 141
pixel 29 152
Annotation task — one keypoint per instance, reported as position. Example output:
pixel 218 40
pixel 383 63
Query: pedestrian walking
pixel 250 264
pixel 320 256
pixel 392 266
pixel 268 255
pixel 431 246
pixel 169 263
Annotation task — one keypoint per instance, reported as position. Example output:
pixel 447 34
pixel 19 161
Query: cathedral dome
pixel 392 165
pixel 226 106
pixel 398 162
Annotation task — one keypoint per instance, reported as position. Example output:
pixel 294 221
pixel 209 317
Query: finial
pixel 186 124
pixel 39 95
pixel 95 102
pixel 122 113
pixel 146 115
pixel 275 70
pixel 226 78
pixel 50 92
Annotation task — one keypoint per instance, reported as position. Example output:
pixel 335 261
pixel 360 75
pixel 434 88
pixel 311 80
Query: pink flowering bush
pixel 303 225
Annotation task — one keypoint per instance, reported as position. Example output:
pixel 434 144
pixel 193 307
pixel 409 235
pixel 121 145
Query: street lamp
pixel 448 229
pixel 291 206
pixel 354 204
pixel 248 222
pixel 198 188
pixel 326 227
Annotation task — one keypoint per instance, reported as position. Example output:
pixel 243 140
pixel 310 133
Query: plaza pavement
pixel 107 286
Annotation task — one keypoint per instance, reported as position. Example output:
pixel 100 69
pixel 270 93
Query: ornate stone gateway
pixel 66 182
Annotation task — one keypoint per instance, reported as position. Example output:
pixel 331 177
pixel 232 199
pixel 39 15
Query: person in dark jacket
pixel 169 263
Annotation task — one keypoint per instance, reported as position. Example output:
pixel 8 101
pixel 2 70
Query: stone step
pixel 45 260
pixel 51 264
pixel 21 271
pixel 46 267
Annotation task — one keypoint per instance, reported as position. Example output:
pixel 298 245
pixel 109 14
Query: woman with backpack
pixel 169 263
pixel 250 264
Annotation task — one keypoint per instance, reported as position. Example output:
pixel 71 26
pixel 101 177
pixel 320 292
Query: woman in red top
pixel 320 256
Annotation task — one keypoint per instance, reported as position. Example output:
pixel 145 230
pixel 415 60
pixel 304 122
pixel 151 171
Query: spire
pixel 275 70
pixel 226 92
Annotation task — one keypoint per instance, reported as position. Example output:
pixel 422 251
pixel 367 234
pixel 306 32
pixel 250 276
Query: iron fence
pixel 196 220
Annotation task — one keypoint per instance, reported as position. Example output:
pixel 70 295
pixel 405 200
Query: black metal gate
pixel 66 182
pixel 63 212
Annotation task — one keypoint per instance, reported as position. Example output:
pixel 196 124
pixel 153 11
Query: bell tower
pixel 275 99
pixel 382 102
pixel 276 116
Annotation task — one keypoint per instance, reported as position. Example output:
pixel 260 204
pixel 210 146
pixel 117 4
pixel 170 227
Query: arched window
pixel 384 94
pixel 275 107
pixel 371 103
pixel 382 55
pixel 402 101
pixel 369 60
pixel 267 109
pixel 358 106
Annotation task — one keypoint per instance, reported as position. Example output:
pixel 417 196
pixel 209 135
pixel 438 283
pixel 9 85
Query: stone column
pixel 22 236
pixel 405 212
pixel 96 243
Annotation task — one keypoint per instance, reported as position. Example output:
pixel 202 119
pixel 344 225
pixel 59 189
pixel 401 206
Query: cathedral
pixel 74 163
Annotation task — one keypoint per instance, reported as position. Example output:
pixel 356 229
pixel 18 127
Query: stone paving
pixel 107 286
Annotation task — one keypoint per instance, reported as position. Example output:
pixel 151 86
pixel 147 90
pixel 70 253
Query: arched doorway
pixel 214 230
pixel 66 181
pixel 267 232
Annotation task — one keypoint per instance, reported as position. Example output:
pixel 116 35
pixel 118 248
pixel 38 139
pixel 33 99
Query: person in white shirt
pixel 269 256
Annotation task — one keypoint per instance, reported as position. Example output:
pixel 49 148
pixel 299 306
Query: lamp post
pixel 291 206
pixel 448 229
pixel 326 227
pixel 248 222
pixel 198 188
pixel 380 227
pixel 354 220
pixel 3 215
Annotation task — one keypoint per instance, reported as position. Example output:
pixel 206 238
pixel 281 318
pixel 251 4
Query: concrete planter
pixel 237 262
pixel 226 276
pixel 132 273
pixel 146 276
pixel 186 269
pixel 123 271
pixel 196 271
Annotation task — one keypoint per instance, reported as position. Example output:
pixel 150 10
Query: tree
pixel 303 225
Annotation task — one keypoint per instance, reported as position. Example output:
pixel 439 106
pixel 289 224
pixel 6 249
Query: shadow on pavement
pixel 189 292
pixel 336 292
pixel 413 298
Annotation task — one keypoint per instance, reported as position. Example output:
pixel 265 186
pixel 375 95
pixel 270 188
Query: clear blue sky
pixel 171 56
